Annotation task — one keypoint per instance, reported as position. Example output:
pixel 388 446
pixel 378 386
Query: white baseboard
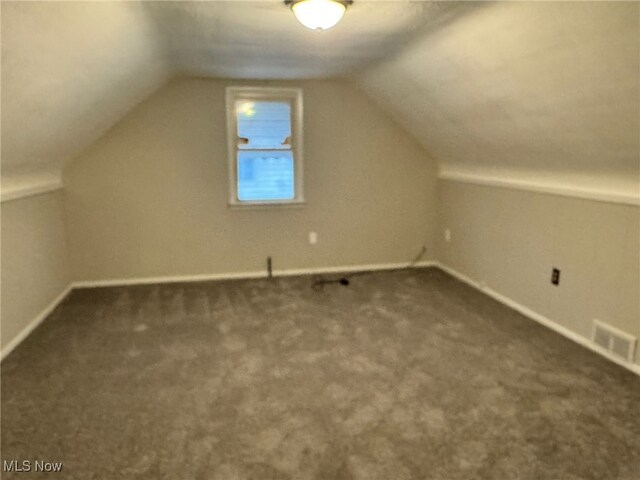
pixel 114 282
pixel 193 278
pixel 351 269
pixel 15 341
pixel 122 282
pixel 527 312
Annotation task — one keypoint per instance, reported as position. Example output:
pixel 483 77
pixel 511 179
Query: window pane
pixel 265 176
pixel 264 125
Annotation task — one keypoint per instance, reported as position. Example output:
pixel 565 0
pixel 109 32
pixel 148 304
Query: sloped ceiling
pixel 539 92
pixel 544 91
pixel 69 71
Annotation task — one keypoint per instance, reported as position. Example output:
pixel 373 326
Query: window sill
pixel 266 205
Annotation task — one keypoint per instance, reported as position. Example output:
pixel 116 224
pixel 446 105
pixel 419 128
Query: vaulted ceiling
pixel 542 91
pixel 69 72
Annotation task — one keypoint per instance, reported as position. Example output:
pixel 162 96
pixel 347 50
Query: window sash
pixel 254 94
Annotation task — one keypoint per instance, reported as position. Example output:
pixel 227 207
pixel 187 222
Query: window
pixel 265 145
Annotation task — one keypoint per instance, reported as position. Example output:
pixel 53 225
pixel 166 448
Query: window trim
pixel 294 96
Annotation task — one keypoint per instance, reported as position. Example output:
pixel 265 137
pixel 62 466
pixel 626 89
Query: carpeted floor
pixel 402 375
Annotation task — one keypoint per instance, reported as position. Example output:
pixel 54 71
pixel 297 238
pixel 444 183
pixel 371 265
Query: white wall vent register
pixel 618 343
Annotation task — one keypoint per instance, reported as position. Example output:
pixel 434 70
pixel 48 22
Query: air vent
pixel 619 343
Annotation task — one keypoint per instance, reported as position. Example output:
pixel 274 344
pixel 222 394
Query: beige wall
pixel 511 239
pixel 35 266
pixel 150 198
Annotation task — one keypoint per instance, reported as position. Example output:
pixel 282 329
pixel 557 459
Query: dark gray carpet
pixel 402 375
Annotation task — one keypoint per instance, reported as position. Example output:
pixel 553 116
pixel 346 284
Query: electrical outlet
pixel 555 276
pixel 313 238
pixel 447 235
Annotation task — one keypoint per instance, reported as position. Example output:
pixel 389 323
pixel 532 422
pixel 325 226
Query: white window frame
pixel 294 97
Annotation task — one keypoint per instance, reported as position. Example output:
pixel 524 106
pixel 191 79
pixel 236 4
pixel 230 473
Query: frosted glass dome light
pixel 318 14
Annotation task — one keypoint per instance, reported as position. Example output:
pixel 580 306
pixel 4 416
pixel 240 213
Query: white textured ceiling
pixel 264 40
pixel 70 71
pixel 542 92
pixel 545 89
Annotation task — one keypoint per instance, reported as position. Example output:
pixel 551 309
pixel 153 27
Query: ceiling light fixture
pixel 318 14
